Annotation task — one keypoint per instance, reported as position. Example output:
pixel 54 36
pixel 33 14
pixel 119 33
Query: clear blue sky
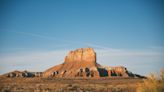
pixel 47 25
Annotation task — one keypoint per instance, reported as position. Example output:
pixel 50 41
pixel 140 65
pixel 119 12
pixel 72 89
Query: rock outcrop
pixel 22 74
pixel 82 63
pixel 81 55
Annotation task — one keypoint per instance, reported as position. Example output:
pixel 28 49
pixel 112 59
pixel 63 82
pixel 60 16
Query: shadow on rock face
pixel 103 72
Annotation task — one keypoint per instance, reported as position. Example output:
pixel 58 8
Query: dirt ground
pixel 69 84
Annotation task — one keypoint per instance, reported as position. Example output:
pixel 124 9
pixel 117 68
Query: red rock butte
pixel 78 63
pixel 82 63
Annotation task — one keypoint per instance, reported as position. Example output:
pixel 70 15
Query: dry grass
pixel 68 85
pixel 153 83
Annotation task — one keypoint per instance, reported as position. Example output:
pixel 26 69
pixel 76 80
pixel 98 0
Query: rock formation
pixel 25 73
pixel 78 63
pixel 82 63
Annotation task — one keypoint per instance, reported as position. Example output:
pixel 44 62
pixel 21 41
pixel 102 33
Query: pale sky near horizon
pixel 37 34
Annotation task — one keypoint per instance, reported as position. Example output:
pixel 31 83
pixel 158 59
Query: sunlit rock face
pixel 82 63
pixel 86 55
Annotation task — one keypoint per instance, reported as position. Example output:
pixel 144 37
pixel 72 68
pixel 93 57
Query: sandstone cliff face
pixel 81 55
pixel 82 63
pixel 118 71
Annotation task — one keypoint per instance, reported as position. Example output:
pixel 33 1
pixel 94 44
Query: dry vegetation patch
pixel 152 83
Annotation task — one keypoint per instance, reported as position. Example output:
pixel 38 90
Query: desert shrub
pixel 162 74
pixel 152 83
